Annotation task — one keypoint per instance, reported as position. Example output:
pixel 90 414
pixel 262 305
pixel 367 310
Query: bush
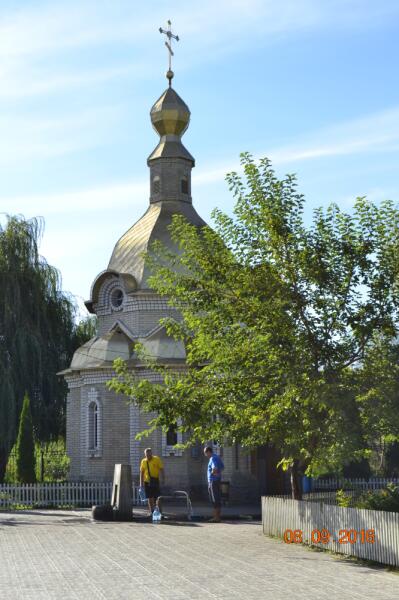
pixel 344 500
pixel 55 465
pixel 25 461
pixel 55 461
pixel 386 499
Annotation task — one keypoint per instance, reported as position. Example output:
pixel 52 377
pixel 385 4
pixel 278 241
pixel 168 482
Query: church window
pixel 116 298
pixel 156 185
pixel 169 440
pixel 93 426
pixel 171 436
pixel 184 186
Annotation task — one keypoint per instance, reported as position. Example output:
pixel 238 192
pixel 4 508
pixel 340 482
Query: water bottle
pixel 142 495
pixel 156 516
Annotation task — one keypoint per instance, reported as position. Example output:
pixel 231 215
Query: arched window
pixel 93 426
pixel 156 185
pixel 184 185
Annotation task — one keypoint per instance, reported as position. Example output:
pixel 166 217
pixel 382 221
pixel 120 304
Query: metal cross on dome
pixel 168 42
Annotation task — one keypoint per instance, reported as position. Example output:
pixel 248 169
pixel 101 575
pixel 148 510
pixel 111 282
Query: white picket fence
pixel 68 494
pixel 374 483
pixel 299 520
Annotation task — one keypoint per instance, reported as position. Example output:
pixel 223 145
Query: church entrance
pixel 272 480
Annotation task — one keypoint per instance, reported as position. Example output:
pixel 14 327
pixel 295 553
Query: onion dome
pixel 170 115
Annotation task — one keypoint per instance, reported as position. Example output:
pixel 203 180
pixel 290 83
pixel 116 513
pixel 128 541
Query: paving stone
pixel 65 556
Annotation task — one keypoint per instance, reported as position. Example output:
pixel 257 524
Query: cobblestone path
pixel 63 556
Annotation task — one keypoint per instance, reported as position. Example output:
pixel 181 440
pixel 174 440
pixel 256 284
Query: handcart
pixel 176 505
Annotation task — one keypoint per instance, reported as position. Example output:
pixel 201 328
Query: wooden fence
pixel 368 534
pixel 69 494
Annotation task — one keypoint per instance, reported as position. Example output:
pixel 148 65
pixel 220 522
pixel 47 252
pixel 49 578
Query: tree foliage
pixel 279 320
pixel 25 448
pixel 37 335
pixel 85 329
pixel 52 462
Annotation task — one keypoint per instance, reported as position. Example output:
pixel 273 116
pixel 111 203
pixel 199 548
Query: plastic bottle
pixel 142 495
pixel 156 516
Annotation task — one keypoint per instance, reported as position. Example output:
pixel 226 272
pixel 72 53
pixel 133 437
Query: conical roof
pixel 127 256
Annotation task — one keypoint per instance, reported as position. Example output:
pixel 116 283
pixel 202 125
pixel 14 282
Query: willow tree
pixel 36 334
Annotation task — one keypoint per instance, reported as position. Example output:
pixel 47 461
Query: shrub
pixel 386 499
pixel 51 461
pixel 25 461
pixel 344 500
pixel 55 461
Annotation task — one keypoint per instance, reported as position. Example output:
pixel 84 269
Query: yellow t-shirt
pixel 155 465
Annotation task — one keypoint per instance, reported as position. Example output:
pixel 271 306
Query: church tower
pixel 101 425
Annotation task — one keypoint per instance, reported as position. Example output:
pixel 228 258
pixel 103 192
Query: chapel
pixel 101 425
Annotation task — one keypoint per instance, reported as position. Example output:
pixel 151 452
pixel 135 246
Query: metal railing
pixel 373 483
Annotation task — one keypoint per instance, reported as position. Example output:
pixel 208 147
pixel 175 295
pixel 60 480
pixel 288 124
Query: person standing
pixel 151 472
pixel 214 472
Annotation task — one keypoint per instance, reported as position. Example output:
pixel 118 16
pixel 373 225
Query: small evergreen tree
pixel 25 462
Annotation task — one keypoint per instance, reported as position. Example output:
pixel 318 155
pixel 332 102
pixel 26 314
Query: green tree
pixel 85 329
pixel 25 459
pixel 378 398
pixel 277 318
pixel 37 335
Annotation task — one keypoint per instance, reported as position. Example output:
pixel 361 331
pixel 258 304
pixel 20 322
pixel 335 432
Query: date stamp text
pixel 324 536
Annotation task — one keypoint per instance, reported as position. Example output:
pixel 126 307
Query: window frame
pixel 93 424
pixel 171 450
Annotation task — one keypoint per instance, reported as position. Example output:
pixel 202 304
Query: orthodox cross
pixel 168 43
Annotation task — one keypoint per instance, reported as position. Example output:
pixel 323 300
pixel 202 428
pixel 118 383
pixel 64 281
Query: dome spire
pixel 168 44
pixel 170 115
pixel 170 163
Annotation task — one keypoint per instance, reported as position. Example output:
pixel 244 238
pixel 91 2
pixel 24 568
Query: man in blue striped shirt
pixel 215 468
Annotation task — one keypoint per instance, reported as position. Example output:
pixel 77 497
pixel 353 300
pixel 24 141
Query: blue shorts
pixel 214 493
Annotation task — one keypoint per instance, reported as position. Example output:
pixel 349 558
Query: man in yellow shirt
pixel 151 471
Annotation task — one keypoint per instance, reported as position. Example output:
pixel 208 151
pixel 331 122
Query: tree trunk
pixel 296 488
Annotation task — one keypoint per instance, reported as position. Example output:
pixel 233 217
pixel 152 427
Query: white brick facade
pixel 102 426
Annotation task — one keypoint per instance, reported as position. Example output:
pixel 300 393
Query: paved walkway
pixel 63 556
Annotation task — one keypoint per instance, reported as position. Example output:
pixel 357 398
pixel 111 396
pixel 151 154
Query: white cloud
pixel 23 137
pixel 378 132
pixel 50 28
pixel 47 27
pixel 21 84
pixel 49 32
pixel 80 201
pixel 374 133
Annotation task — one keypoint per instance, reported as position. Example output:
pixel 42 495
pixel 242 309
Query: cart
pixel 176 505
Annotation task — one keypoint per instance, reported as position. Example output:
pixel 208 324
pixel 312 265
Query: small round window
pixel 116 298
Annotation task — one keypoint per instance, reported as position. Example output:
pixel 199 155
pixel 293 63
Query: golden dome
pixel 170 115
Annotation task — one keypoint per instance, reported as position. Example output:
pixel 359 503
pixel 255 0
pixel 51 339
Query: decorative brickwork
pixel 102 426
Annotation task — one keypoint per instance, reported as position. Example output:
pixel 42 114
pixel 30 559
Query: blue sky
pixel 312 84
